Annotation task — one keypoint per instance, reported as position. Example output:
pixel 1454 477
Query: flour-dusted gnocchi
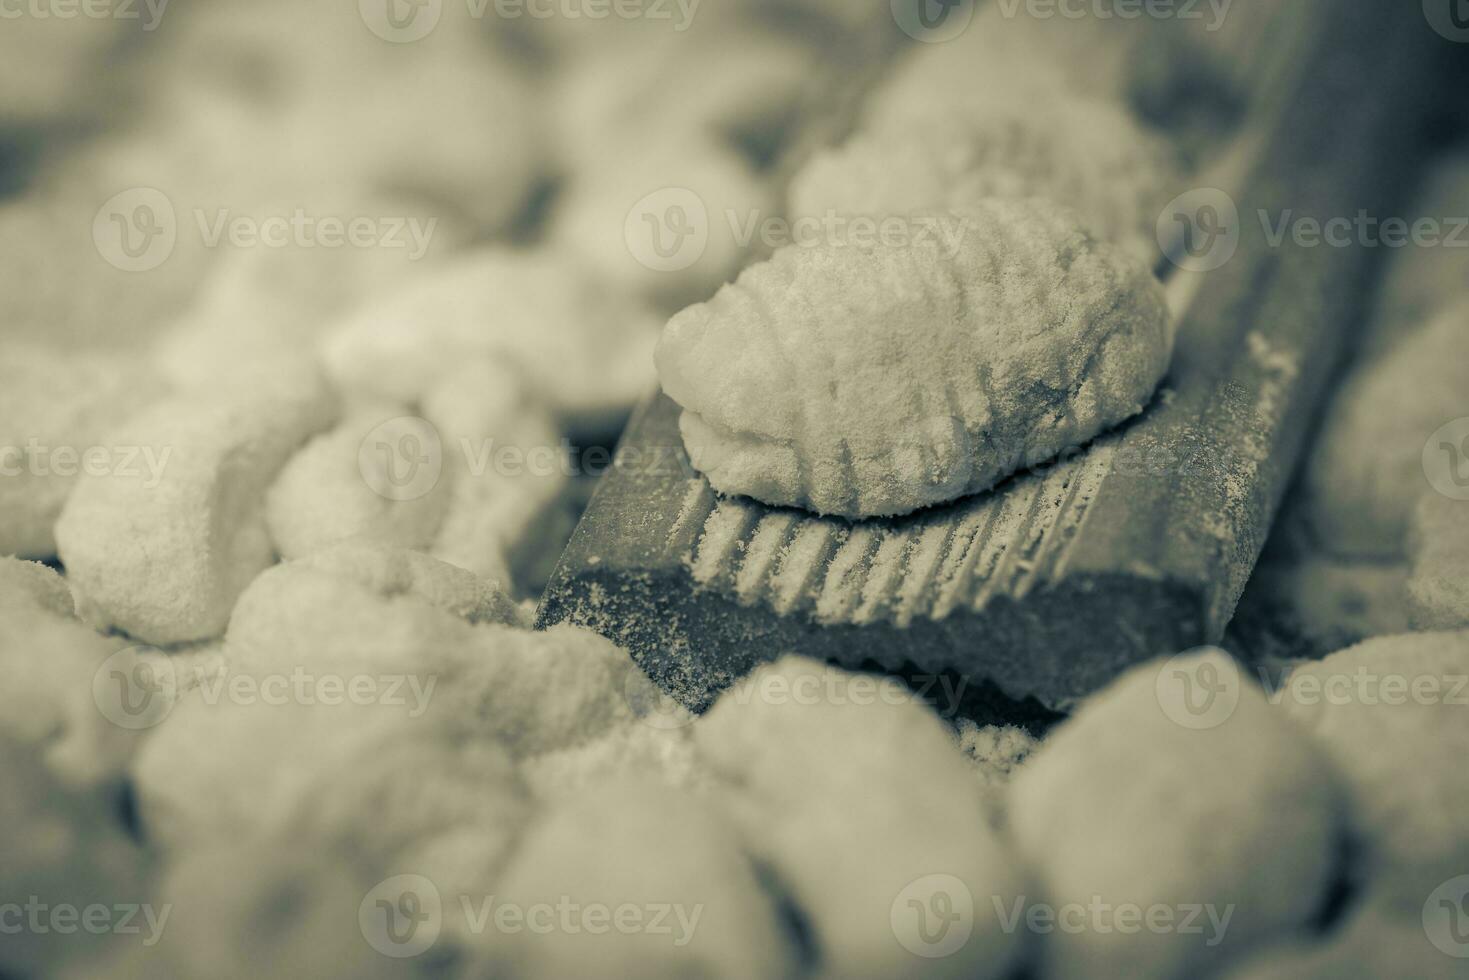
pixel 1374 942
pixel 1181 76
pixel 860 379
pixel 1422 281
pixel 358 610
pixel 340 486
pixel 227 764
pixel 857 799
pixel 506 471
pixel 1153 797
pixel 476 480
pixel 580 347
pixel 370 607
pixel 1390 715
pixel 50 64
pixel 163 553
pixel 660 750
pixel 995 752
pixel 1086 155
pixel 465 131
pixel 333 104
pixel 742 90
pixel 1371 464
pixel 631 848
pixel 61 848
pixel 55 407
pixel 225 904
pixel 31 586
pixel 671 222
pixel 1438 585
pixel 265 303
pixel 408 792
pixel 51 664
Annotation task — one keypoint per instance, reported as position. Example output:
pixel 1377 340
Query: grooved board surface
pixel 1042 590
pixel 932 565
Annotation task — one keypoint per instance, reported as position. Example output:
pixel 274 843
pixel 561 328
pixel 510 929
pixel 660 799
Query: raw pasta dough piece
pixel 1340 602
pixel 995 753
pixel 1367 473
pixel 57 289
pixel 1390 714
pixel 340 486
pixel 374 608
pixel 536 692
pixel 476 481
pixel 865 380
pixel 1422 281
pixel 639 844
pixel 745 86
pixel 1169 73
pixel 240 910
pixel 29 585
pixel 50 64
pixel 55 408
pixel 163 552
pixel 405 793
pixel 506 472
pixel 644 752
pixel 1377 942
pixel 1438 586
pixel 223 768
pixel 59 849
pixel 56 680
pixel 858 800
pixel 313 85
pixel 671 222
pixel 1132 802
pixel 581 348
pixel 1083 154
pixel 266 304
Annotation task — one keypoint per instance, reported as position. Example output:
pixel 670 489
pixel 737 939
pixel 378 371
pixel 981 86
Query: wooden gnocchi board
pixel 1043 590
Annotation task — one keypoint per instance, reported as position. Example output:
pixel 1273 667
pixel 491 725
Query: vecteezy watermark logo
pixel 944 233
pixel 942 694
pixel 136 230
pixel 402 459
pixel 1199 231
pixel 568 916
pixel 1450 18
pixel 39 918
pixel 1446 460
pixel 40 460
pixel 933 917
pixel 150 12
pixel 668 230
pixel 1100 917
pixel 933 21
pixel 300 229
pixel 1367 688
pixel 135 688
pixel 1213 12
pixel 1446 917
pixel 402 916
pixel 1199 689
pixel 679 13
pixel 401 21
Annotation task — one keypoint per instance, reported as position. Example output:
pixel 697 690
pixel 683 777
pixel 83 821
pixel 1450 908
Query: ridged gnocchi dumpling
pixel 1084 154
pixel 865 379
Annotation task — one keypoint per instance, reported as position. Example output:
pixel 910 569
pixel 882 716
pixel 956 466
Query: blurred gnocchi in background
pixel 319 320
